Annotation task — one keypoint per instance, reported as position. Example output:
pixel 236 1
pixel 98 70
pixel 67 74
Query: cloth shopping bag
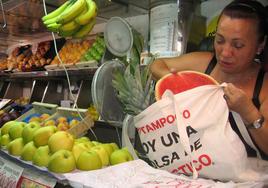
pixel 189 133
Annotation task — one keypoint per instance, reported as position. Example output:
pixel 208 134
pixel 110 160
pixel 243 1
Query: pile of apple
pixel 58 151
pixel 60 122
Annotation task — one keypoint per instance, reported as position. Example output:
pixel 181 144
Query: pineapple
pixel 135 89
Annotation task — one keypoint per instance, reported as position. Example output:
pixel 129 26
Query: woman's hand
pixel 238 101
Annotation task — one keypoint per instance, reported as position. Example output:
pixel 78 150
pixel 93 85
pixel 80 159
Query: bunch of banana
pixel 74 18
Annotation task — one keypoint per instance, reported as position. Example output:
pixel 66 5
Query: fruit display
pixel 72 51
pixel 36 60
pixel 19 54
pixel 14 110
pixel 3 64
pixel 182 81
pixel 23 59
pixel 58 151
pixel 96 51
pixel 72 19
pixel 93 112
pixel 22 101
pixel 60 123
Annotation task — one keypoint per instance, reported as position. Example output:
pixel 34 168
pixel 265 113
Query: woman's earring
pixel 257 58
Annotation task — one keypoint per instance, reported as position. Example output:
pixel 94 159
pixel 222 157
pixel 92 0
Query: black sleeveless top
pixel 258 85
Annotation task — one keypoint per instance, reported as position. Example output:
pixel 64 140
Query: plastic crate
pixel 37 110
pixel 86 122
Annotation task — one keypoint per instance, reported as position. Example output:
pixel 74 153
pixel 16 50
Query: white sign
pixel 163 29
pixel 9 174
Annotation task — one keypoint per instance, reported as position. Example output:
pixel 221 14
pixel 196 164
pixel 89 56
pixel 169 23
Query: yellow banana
pixel 70 26
pixel 50 21
pixel 67 33
pixel 72 12
pixel 92 10
pixel 54 19
pixel 85 29
pixel 56 12
pixel 54 27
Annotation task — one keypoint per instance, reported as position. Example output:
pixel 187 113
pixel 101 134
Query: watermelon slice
pixel 182 81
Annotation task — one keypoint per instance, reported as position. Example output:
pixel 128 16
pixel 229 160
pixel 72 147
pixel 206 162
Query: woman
pixel 239 39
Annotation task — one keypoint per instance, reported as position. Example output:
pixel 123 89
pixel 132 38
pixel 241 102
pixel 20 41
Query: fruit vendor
pixel 237 60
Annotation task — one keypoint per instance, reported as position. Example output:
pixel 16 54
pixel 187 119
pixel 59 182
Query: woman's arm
pixel 239 102
pixel 260 135
pixel 196 61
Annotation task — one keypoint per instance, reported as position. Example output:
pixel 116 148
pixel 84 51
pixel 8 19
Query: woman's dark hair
pixel 249 9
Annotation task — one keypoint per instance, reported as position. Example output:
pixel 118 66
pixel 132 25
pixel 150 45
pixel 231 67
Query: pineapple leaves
pixel 134 87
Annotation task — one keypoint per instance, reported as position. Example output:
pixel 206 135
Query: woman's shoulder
pixel 198 60
pixel 199 56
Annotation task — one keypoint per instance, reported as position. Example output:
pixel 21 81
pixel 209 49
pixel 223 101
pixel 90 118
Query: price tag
pixel 9 174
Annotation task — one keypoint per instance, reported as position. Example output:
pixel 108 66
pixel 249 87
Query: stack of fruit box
pixel 71 113
pixel 37 110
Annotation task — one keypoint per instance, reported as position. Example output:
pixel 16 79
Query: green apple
pixel 120 156
pixel 60 140
pixel 6 127
pixel 5 139
pixel 108 147
pixel 15 147
pixel 88 160
pixel 62 161
pixel 29 130
pixel 28 151
pixel 41 156
pixel 82 139
pixel 114 145
pixel 89 144
pixel 78 148
pixel 96 143
pixel 42 135
pixel 15 130
pixel 104 156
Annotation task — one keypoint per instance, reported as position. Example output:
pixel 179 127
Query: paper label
pixel 9 174
pixel 27 183
pixel 163 28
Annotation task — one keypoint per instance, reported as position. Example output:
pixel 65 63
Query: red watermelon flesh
pixel 182 81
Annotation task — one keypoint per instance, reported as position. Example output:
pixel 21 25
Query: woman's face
pixel 236 43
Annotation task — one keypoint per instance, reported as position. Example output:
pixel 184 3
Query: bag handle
pixel 128 120
pixel 244 132
pixel 181 125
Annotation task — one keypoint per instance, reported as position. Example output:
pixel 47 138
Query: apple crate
pixel 37 110
pixel 85 120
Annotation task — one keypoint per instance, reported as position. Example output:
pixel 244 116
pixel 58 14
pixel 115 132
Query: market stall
pixel 76 91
